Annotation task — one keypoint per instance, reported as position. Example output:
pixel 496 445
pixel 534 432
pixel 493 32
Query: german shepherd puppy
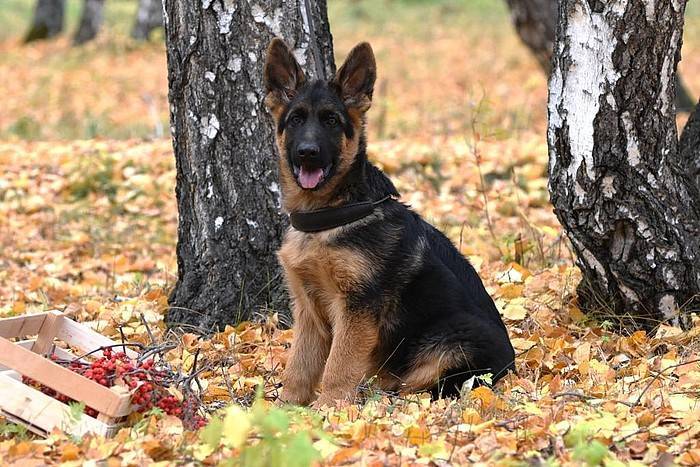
pixel 385 294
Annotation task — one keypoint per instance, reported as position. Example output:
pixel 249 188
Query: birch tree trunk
pixel 90 21
pixel 617 180
pixel 47 21
pixel 149 16
pixel 230 224
pixel 535 22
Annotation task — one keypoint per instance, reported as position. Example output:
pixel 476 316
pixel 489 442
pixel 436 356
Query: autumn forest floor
pixel 88 225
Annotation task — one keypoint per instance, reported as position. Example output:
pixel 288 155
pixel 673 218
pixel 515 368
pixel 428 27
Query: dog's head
pixel 319 123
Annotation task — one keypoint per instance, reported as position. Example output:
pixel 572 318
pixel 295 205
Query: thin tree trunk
pixel 90 21
pixel 535 22
pixel 48 20
pixel 617 180
pixel 228 196
pixel 149 16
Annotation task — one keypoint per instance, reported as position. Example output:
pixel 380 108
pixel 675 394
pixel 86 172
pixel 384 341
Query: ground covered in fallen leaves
pixel 88 227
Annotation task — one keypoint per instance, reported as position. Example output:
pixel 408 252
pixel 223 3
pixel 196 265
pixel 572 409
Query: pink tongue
pixel 310 178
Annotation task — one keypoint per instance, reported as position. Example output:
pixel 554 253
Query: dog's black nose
pixel 308 150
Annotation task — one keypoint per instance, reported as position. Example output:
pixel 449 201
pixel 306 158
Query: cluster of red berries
pixel 148 385
pixel 116 367
pixel 56 395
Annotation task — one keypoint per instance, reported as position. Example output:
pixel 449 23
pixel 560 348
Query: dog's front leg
pixel 308 354
pixel 355 337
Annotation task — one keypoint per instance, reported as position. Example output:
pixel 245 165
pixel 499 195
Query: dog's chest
pixel 321 267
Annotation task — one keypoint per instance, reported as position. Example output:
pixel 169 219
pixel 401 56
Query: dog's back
pixel 438 325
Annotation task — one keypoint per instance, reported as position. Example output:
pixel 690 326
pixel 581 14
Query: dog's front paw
pixel 295 397
pixel 296 394
pixel 335 398
pixel 324 402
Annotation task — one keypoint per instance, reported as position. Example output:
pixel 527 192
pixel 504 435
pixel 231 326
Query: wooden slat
pixel 63 354
pixel 45 338
pixel 29 343
pixel 12 374
pixel 86 339
pixel 21 326
pixel 114 402
pixel 41 413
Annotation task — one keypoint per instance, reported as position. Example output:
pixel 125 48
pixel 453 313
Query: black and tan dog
pixel 376 290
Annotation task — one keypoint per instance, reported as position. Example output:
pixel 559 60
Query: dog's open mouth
pixel 311 177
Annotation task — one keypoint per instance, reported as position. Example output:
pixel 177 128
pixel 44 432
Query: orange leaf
pixel 471 416
pixel 417 435
pixel 344 455
pixel 70 452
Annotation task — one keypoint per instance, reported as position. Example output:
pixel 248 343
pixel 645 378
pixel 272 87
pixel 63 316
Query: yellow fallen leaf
pixel 510 291
pixel 326 447
pixel 514 312
pixel 360 430
pixel 19 307
pixel 343 455
pixel 690 457
pixel 106 448
pixel 187 360
pixel 218 392
pixel 201 451
pixel 70 452
pixel 471 416
pixel 434 450
pixel 666 331
pixel 531 408
pixel 582 353
pixel 646 418
pixel 483 394
pixel 680 403
pixel 235 427
pixel 417 435
pixel 156 450
pixel 575 313
pixel 602 371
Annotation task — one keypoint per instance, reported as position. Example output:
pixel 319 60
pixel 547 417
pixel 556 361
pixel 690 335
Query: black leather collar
pixel 330 218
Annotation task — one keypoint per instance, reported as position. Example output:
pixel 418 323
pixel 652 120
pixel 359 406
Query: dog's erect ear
pixel 283 75
pixel 356 77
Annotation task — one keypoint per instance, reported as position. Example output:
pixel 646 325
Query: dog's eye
pixel 296 120
pixel 331 120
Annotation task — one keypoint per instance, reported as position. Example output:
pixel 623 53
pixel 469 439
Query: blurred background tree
pixel 90 21
pixel 149 17
pixel 47 21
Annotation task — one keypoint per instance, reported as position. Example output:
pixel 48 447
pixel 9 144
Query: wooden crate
pixel 37 411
